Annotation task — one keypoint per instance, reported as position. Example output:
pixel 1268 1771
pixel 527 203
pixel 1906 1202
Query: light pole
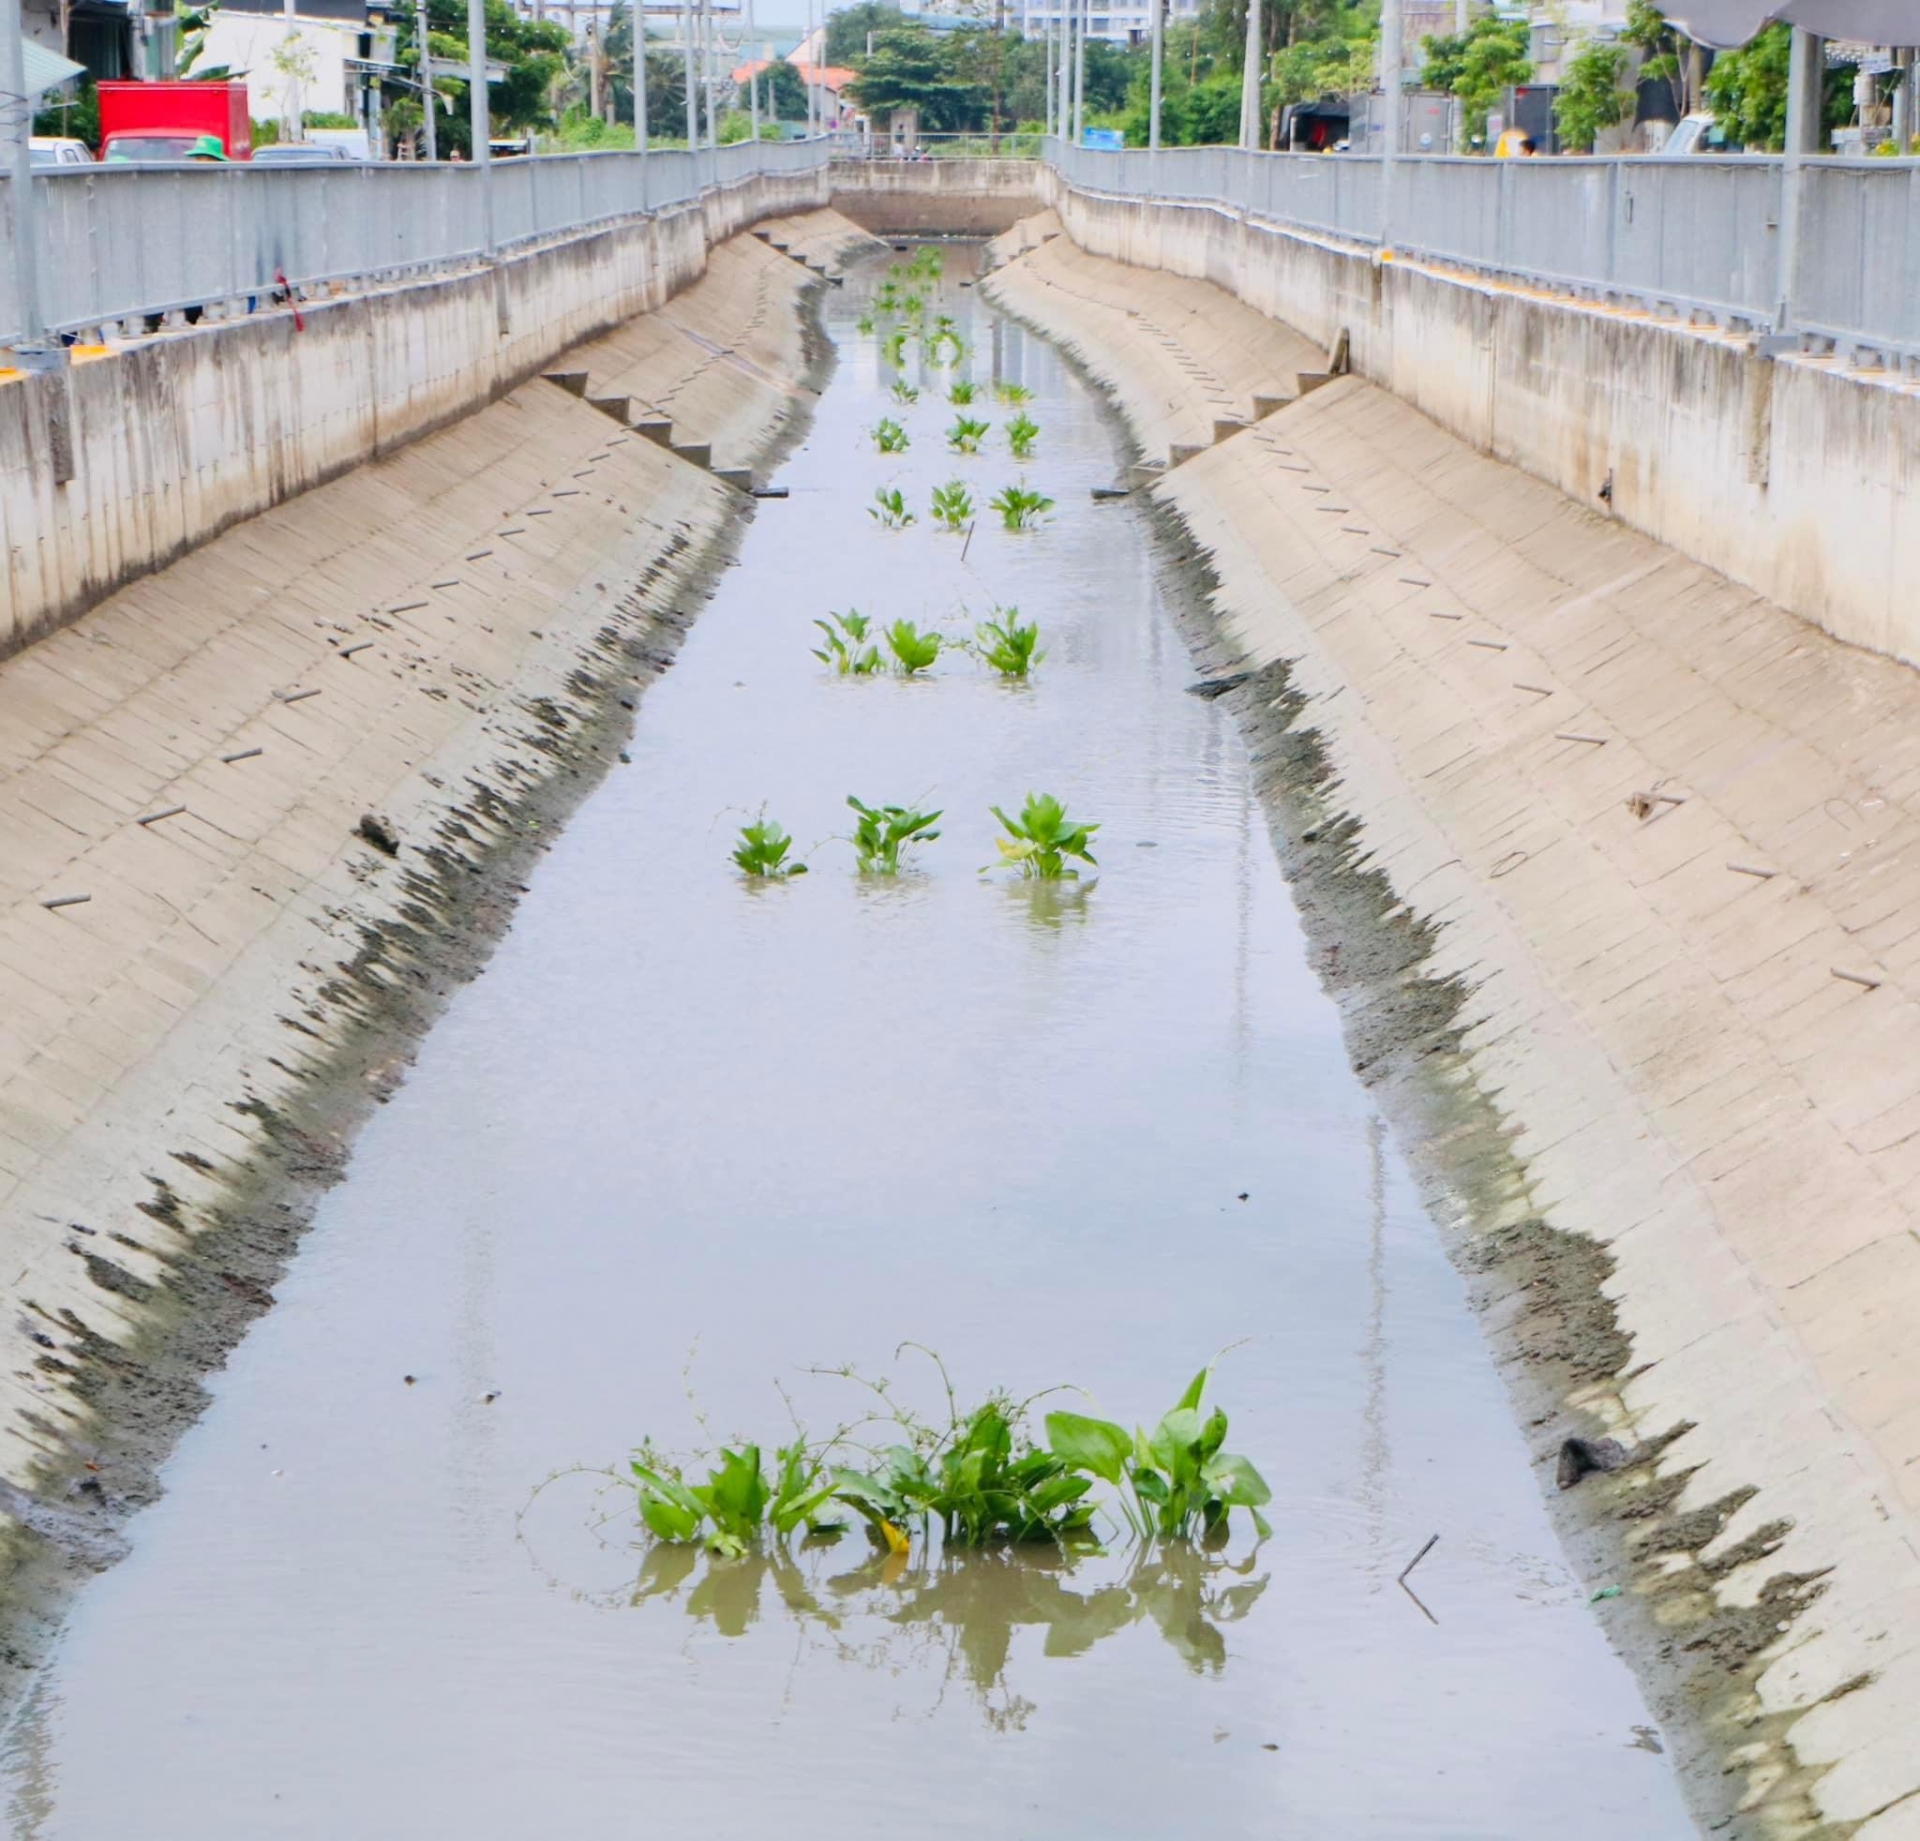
pixel 16 125
pixel 479 121
pixel 1389 82
pixel 640 86
pixel 424 31
pixel 1085 10
pixel 686 59
pixel 1159 50
pixel 1806 71
pixel 1250 79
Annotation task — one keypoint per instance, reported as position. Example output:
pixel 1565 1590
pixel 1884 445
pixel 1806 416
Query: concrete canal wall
pixel 164 442
pixel 1615 865
pixel 262 808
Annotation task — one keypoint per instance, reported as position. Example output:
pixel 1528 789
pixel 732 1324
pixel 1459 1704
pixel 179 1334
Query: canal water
pixel 689 1140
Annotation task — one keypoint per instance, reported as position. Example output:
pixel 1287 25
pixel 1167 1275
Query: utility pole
pixel 1806 74
pixel 1159 52
pixel 16 126
pixel 753 76
pixel 1390 60
pixel 593 65
pixel 1903 100
pixel 428 100
pixel 479 119
pixel 640 84
pixel 686 60
pixel 1080 73
pixel 1252 59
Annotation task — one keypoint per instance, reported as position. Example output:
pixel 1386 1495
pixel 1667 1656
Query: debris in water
pixel 1218 687
pixel 1606 1591
pixel 1580 1457
pixel 1243 1195
pixel 376 831
pixel 1433 1540
pixel 409 1379
pixel 1101 493
pixel 488 1399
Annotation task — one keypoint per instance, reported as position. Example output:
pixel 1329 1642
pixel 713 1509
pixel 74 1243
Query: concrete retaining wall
pixel 935 197
pixel 1791 475
pixel 174 438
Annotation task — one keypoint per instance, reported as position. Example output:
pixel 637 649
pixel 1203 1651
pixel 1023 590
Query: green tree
pixel 1667 55
pixel 914 68
pixel 1747 90
pixel 1594 94
pixel 847 29
pixel 1479 65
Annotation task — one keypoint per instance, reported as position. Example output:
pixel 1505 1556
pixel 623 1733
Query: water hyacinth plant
pixel 952 505
pixel 889 436
pixel 846 648
pixel 1019 509
pixel 889 509
pixel 883 833
pixel 1022 432
pixel 894 347
pixel 729 1512
pixel 966 434
pixel 1041 839
pixel 763 851
pixel 1177 1483
pixel 1012 393
pixel 960 393
pixel 913 651
pixel 972 1474
pixel 1007 644
pixel 944 345
pixel 905 393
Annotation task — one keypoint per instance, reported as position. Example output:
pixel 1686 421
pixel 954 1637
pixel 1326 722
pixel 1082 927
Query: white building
pixel 295 62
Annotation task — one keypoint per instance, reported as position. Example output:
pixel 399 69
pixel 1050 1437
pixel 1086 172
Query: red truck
pixel 167 121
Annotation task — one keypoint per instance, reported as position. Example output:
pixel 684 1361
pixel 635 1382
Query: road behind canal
pixel 691 1135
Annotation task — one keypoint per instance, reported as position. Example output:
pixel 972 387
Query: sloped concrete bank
pixel 1614 866
pixel 1792 475
pixel 140 451
pixel 262 810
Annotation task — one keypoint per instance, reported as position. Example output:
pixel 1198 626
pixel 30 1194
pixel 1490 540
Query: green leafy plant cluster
pixel 1022 432
pixel 846 648
pixel 974 1476
pixel 883 834
pixel 1008 644
pixel 1019 508
pixel 763 851
pixel 1039 842
pixel 889 436
pixel 1012 394
pixel 905 393
pixel 889 509
pixel 966 434
pixel 960 393
pixel 738 1503
pixel 952 505
pixel 913 651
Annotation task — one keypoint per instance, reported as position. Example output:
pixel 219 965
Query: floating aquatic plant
pixel 960 393
pixel 846 648
pixel 913 651
pixel 889 437
pixel 1019 509
pixel 1012 393
pixel 1008 644
pixel 952 505
pixel 1041 839
pixel 883 833
pixel 889 509
pixel 1022 432
pixel 966 434
pixel 763 851
pixel 905 393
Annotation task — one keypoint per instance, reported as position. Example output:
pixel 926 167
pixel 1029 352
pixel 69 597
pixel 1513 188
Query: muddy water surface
pixel 691 1135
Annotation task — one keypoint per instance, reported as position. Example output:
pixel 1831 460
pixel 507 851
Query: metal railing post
pixel 1806 70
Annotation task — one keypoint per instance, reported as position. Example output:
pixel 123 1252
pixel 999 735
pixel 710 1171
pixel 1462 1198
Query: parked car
pixel 1699 132
pixel 302 153
pixel 51 150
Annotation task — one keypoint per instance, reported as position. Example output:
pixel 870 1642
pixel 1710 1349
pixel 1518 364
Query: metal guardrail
pixel 1694 237
pixel 122 242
